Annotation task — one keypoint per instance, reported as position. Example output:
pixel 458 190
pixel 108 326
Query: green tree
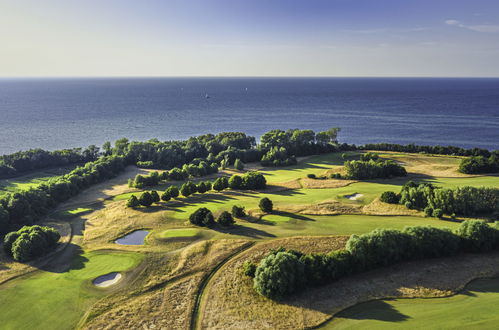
pixel 235 182
pixel 202 217
pixel 165 196
pixel 201 187
pixel 389 197
pixel 278 275
pixel 238 211
pixel 218 184
pixel 145 199
pixel 266 205
pixel 225 219
pixel 155 196
pixel 172 191
pixel 4 220
pixel 22 248
pixel 133 202
pixel 238 165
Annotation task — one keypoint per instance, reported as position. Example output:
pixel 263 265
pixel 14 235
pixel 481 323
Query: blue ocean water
pixel 62 113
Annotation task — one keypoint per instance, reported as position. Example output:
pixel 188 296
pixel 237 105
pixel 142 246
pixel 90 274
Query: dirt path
pixel 199 304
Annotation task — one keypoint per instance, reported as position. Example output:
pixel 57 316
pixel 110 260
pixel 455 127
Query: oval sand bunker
pixel 107 280
pixel 354 196
pixel 134 238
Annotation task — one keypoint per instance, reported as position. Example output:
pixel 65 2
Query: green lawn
pixel 32 179
pixel 187 232
pixel 475 308
pixel 50 300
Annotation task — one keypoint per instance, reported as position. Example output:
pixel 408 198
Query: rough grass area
pixel 52 300
pixel 164 295
pixel 233 303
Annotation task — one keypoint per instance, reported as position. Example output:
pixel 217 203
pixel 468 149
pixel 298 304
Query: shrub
pixel 335 176
pixel 438 213
pixel 202 217
pixel 235 182
pixel 311 176
pixel 266 205
pixel 238 211
pixel 249 268
pixel 477 236
pixel 430 242
pixel 155 196
pixel 133 202
pixel 172 191
pixel 165 196
pixel 207 184
pixel 145 199
pixel 254 180
pixel 218 185
pixel 389 197
pixel 201 188
pixel 188 189
pixel 373 169
pixel 225 219
pixel 278 274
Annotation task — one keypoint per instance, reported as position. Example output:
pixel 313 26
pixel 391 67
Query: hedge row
pixel 284 272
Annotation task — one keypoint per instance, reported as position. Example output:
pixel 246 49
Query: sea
pixel 57 113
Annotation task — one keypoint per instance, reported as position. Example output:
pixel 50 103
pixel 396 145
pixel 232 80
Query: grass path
pixel 473 308
pixel 198 304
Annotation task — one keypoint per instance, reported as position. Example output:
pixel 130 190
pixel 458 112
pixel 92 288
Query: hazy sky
pixel 249 38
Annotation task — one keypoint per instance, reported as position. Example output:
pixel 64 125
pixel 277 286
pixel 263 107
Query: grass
pixel 51 300
pixel 475 307
pixel 32 179
pixel 187 232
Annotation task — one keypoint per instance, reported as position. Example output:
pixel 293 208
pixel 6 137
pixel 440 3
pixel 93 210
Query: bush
pixel 172 191
pixel 225 219
pixel 266 205
pixel 219 185
pixel 477 236
pixel 201 188
pixel 389 197
pixel 438 213
pixel 145 199
pixel 311 176
pixel 335 176
pixel 165 196
pixel 133 202
pixel 238 211
pixel 249 268
pixel 430 242
pixel 278 274
pixel 202 217
pixel 254 181
pixel 30 242
pixel 188 189
pixel 155 196
pixel 235 182
pixel 373 169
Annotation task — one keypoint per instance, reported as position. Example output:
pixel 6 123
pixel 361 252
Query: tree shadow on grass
pixel 292 215
pixel 243 231
pixel 374 310
pixel 61 266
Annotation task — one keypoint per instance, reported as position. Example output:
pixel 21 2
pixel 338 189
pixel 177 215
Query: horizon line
pixel 228 76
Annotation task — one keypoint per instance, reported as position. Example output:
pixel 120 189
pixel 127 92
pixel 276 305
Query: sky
pixel 443 38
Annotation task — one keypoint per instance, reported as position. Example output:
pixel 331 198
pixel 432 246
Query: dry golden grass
pixel 377 207
pixel 324 208
pixel 233 304
pixel 164 293
pixel 322 184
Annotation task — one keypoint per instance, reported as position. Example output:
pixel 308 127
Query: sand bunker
pixel 107 280
pixel 354 196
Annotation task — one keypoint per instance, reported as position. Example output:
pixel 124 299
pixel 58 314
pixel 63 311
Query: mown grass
pixel 32 179
pixel 52 300
pixel 187 232
pixel 474 308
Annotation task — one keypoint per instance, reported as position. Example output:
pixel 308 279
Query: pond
pixel 134 238
pixel 107 280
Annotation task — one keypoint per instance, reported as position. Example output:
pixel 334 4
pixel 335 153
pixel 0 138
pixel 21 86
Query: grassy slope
pixel 50 300
pixel 474 308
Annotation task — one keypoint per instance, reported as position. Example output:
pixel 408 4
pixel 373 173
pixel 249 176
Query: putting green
pixel 187 232
pixel 474 308
pixel 57 300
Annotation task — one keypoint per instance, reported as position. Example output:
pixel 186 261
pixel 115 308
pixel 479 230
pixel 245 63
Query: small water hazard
pixel 134 238
pixel 107 280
